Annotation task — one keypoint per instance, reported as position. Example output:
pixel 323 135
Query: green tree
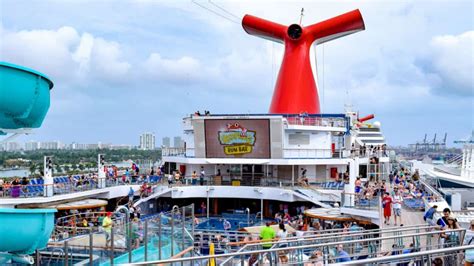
pixel 33 167
pixel 58 168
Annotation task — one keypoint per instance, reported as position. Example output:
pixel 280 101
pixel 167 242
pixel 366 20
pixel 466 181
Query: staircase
pixel 314 196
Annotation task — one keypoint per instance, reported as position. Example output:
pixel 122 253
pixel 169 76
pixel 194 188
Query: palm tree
pixel 33 167
pixel 58 168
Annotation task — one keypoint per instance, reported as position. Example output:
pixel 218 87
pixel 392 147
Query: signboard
pixel 237 138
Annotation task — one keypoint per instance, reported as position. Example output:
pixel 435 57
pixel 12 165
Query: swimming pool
pixel 237 221
pixel 138 255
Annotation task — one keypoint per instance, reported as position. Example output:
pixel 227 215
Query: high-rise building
pixel 178 142
pixel 10 146
pixel 32 146
pixel 166 142
pixel 147 141
pixel 51 145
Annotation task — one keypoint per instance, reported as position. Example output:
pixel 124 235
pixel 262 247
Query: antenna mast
pixel 301 15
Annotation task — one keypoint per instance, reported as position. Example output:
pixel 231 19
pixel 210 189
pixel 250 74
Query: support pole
pixel 101 175
pixel 48 176
pixel 66 254
pixel 145 239
pixel 207 206
pixel 111 254
pixel 350 187
pixel 159 239
pixel 91 247
pixel 129 241
pixel 292 175
pixel 193 225
pixel 183 221
pixel 37 258
pixel 172 233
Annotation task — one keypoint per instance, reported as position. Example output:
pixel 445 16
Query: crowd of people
pixel 268 236
pixel 372 150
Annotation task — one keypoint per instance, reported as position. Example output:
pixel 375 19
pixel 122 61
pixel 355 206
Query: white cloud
pixel 64 54
pixel 45 50
pixel 380 67
pixel 106 60
pixel 82 55
pixel 453 61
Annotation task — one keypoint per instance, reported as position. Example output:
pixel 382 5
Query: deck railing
pixel 359 201
pixel 298 153
pixel 358 249
pixel 315 121
pixel 70 186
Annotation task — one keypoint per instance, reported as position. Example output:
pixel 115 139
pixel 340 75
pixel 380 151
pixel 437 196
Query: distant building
pixel 10 146
pixel 178 142
pixel 51 145
pixel 78 146
pixel 120 147
pixel 58 145
pixel 147 141
pixel 81 146
pixel 166 142
pixel 32 146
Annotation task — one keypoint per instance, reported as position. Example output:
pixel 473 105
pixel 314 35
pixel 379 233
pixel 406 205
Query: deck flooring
pixel 409 218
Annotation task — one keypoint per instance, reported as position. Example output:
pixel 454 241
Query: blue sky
pixel 124 67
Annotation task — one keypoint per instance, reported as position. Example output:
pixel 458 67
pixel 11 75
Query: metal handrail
pixel 37 190
pixel 335 235
pixel 287 248
pixel 408 256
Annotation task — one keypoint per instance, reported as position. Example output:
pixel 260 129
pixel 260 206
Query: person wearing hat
pixel 451 239
pixel 443 221
pixel 107 225
pixel 469 240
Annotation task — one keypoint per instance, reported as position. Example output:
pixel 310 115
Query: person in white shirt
pixel 282 235
pixel 227 225
pixel 201 176
pixel 397 207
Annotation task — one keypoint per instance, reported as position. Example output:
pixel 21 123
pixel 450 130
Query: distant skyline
pixel 25 140
pixel 126 67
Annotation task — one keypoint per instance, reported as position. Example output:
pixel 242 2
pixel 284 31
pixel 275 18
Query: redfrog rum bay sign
pixel 244 138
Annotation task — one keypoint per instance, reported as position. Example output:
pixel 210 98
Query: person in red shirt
pixel 387 207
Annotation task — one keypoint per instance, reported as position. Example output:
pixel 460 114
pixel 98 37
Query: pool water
pixel 237 221
pixel 217 223
pixel 138 255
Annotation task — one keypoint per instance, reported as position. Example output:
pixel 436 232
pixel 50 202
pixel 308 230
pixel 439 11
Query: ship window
pixel 298 139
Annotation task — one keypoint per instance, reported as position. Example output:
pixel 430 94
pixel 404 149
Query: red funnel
pixel 295 90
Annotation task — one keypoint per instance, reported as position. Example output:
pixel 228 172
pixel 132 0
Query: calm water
pixel 16 172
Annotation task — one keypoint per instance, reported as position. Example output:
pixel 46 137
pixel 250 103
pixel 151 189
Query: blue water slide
pixel 24 97
pixel 22 231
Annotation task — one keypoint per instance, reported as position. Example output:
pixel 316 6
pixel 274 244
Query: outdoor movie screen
pixel 237 138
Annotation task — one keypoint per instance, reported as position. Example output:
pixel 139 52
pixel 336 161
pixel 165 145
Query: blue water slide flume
pixel 24 98
pixel 22 231
pixel 24 102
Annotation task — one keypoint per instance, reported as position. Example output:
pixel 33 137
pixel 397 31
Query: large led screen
pixel 237 138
